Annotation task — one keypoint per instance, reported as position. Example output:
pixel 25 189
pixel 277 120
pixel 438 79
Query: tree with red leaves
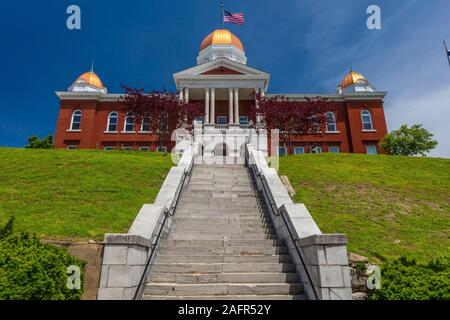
pixel 291 117
pixel 160 111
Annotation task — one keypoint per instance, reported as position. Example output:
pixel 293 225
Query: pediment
pixel 221 66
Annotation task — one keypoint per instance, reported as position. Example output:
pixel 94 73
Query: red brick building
pixel 90 117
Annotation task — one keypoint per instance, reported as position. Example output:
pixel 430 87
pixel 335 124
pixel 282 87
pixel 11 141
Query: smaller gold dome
pixel 92 79
pixel 353 77
pixel 221 36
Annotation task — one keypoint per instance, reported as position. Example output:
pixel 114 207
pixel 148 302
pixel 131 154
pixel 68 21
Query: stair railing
pixel 156 240
pixel 271 205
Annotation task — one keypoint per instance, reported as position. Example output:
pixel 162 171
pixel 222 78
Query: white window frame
pixel 72 147
pixel 142 125
pixel 72 122
pixel 200 119
pixel 338 150
pixel 161 149
pixel 367 113
pixel 315 148
pixel 125 123
pixel 296 148
pixel 109 122
pixel 144 148
pixel 247 121
pixel 371 146
pixel 332 116
pixel 109 148
pixel 128 148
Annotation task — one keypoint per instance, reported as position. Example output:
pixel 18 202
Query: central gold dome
pixel 221 36
pixel 92 79
pixel 353 77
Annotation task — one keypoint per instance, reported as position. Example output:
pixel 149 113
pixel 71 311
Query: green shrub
pixel 405 279
pixel 32 270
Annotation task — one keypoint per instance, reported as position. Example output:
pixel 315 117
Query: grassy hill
pixel 387 206
pixel 81 194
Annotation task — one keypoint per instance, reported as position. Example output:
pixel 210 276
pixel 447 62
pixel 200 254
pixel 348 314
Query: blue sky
pixel 307 46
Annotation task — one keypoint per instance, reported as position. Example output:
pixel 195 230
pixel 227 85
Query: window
pixel 161 149
pixel 366 118
pixel 75 124
pixel 200 119
pixel 146 124
pixel 112 122
pixel 299 150
pixel 144 149
pixel 316 150
pixel 243 120
pixel 281 151
pixel 164 122
pixel 222 120
pixel 331 122
pixel 127 148
pixel 129 123
pixel 333 149
pixel 72 147
pixel 110 148
pixel 371 150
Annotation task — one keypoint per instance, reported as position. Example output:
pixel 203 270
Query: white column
pixel 236 106
pixel 230 106
pixel 181 94
pixel 186 94
pixel 206 105
pixel 213 105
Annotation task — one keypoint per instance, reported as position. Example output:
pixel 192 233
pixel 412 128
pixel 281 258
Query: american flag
pixel 236 18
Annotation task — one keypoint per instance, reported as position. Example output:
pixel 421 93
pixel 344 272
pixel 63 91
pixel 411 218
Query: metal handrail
pixel 275 211
pixel 168 213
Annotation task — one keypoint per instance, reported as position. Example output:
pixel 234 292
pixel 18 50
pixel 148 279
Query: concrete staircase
pixel 220 246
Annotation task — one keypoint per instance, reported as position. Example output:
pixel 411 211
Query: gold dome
pixel 351 78
pixel 92 79
pixel 221 36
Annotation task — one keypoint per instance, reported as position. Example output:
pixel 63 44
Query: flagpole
pixel 223 14
pixel 447 53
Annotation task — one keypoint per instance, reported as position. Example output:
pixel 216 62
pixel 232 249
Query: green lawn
pixel 77 194
pixel 387 206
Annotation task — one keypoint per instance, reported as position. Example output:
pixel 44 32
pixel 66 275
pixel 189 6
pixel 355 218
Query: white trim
pixel 111 132
pixel 71 120
pixel 127 148
pixel 109 121
pixel 373 130
pixel 73 131
pixel 371 146
pixel 72 147
pixel 161 149
pixel 295 152
pixel 144 148
pixel 332 132
pixel 128 132
pixel 125 123
pixel 372 127
pixel 109 148
pixel 333 122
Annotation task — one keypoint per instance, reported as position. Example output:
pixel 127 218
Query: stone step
pixel 228 297
pixel 173 289
pixel 214 236
pixel 207 251
pixel 225 224
pixel 226 220
pixel 211 278
pixel 218 206
pixel 208 213
pixel 285 258
pixel 223 230
pixel 215 268
pixel 167 243
pixel 202 195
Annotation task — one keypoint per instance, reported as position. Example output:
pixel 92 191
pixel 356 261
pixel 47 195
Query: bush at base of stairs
pixel 32 270
pixel 405 279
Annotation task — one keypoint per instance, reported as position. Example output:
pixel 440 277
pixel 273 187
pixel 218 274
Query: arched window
pixel 129 123
pixel 75 124
pixel 112 121
pixel 146 123
pixel 366 119
pixel 331 122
